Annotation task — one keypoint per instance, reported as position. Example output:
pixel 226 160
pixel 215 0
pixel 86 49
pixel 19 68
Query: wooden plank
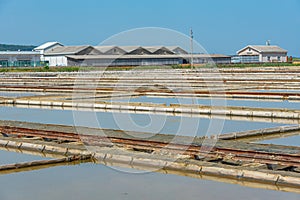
pixel 44 162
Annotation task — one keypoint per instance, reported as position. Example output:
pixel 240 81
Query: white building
pixel 262 53
pixel 45 47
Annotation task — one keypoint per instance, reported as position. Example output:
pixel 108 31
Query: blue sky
pixel 220 26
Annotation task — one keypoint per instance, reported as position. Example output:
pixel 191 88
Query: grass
pixel 258 65
pixel 39 69
pixel 127 68
pixel 296 59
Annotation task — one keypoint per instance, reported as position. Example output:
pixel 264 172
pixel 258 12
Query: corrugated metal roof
pixel 87 57
pixel 104 49
pixel 175 48
pixel 153 49
pixel 265 49
pixel 47 45
pixel 129 49
pixel 72 50
pixel 83 57
pixel 66 50
pixel 69 50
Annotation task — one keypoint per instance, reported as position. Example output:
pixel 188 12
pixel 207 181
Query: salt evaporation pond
pixel 96 181
pixel 210 102
pixel 8 157
pixel 150 123
pixel 92 181
pixel 286 141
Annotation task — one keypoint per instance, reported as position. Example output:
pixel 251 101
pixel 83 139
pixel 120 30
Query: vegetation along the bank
pixel 76 68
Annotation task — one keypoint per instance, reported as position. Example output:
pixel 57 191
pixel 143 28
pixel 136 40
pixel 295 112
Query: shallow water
pixel 286 141
pixel 19 94
pixel 212 102
pixel 133 122
pixel 91 181
pixel 95 181
pixel 279 90
pixel 8 157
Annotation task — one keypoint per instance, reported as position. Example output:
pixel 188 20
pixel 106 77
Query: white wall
pixel 274 57
pixel 42 51
pixel 57 61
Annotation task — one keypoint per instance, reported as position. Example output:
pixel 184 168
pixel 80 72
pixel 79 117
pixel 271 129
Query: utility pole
pixel 192 48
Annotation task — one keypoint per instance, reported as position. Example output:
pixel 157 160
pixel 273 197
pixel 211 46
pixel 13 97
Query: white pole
pixel 192 48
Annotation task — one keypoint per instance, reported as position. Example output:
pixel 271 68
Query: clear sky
pixel 220 26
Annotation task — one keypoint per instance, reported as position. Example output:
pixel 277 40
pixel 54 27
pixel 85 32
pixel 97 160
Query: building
pixel 20 59
pixel 45 47
pixel 112 55
pixel 59 55
pixel 211 58
pixel 260 54
pixel 124 60
pixel 128 56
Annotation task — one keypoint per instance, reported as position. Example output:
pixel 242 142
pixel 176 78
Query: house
pixel 261 53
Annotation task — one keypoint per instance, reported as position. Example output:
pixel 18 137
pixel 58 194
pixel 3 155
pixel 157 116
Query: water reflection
pixel 208 101
pixel 19 94
pixel 90 181
pixel 107 120
pixel 287 141
pixel 9 157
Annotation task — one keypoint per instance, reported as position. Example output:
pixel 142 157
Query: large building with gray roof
pixel 60 55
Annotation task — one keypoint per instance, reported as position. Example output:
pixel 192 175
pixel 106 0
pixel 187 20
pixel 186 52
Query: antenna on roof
pixel 268 43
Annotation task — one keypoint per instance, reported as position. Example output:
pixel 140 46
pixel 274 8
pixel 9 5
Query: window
pixel 278 58
pixel 249 49
pixel 269 58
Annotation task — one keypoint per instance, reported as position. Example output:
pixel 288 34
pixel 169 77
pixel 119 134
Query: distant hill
pixel 10 47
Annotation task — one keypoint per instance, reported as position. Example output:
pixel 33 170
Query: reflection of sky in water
pixel 132 122
pixel 7 157
pixel 288 141
pixel 214 102
pixel 90 181
pixel 18 94
pixel 282 91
